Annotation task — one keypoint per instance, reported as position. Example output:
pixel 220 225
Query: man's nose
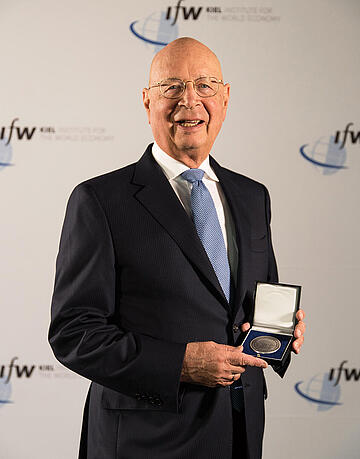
pixel 190 98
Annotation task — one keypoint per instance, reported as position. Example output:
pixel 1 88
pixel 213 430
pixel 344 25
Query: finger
pixel 231 352
pixel 234 369
pixel 237 357
pixel 226 383
pixel 299 329
pixel 256 362
pixel 233 377
pixel 300 315
pixel 245 327
pixel 252 361
pixel 229 381
pixel 297 344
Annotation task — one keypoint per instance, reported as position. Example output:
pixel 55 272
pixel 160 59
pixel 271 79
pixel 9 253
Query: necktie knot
pixel 193 175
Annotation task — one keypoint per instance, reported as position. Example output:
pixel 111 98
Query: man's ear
pixel 146 102
pixel 226 98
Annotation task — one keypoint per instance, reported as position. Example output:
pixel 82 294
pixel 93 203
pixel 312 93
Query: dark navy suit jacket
pixel 133 286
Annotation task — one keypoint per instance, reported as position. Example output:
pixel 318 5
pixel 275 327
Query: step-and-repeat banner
pixel 71 108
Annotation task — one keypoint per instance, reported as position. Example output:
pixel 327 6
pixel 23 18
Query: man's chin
pixel 189 144
pixel 187 147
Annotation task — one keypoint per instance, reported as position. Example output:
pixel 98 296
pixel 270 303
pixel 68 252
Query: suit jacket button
pixel 235 328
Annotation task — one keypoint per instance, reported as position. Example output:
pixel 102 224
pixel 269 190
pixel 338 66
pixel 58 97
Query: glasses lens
pixel 172 88
pixel 206 87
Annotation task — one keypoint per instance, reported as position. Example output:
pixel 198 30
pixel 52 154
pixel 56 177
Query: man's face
pixel 169 118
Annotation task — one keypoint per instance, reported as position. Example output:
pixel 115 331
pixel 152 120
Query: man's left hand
pixel 298 332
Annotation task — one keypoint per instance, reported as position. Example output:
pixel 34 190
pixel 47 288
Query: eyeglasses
pixel 173 88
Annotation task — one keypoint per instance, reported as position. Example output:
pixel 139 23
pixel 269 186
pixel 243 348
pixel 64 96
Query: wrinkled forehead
pixel 185 63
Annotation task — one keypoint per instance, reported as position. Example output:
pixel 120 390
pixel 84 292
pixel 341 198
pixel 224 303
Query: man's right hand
pixel 211 364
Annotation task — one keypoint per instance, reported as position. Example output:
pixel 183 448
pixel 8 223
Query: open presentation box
pixel 271 335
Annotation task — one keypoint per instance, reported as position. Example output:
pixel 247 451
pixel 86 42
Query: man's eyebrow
pixel 178 78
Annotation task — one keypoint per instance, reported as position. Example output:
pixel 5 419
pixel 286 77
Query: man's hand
pixel 298 332
pixel 211 364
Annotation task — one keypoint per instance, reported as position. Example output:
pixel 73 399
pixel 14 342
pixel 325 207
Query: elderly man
pixel 154 283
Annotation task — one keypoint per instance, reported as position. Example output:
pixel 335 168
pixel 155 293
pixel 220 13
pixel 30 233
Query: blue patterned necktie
pixel 208 227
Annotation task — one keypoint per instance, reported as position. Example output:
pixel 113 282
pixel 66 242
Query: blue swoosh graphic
pixel 323 402
pixel 153 42
pixel 6 164
pixel 318 163
pixel 6 401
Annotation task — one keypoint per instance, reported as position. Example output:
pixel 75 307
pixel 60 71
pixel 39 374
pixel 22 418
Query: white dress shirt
pixel 173 169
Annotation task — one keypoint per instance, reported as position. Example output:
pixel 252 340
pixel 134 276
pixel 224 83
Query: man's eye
pixel 203 86
pixel 173 88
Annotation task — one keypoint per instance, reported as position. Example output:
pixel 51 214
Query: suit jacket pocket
pixel 113 400
pixel 258 244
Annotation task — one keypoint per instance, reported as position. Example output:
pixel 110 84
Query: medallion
pixel 265 344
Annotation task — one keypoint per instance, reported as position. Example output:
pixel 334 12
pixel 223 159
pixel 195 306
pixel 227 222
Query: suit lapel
pixel 236 199
pixel 158 197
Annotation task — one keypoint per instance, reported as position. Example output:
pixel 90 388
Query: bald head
pixel 182 50
pixel 185 127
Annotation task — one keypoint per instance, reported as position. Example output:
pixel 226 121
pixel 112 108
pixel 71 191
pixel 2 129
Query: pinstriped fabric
pixel 208 227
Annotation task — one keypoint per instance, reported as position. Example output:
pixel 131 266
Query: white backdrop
pixel 74 70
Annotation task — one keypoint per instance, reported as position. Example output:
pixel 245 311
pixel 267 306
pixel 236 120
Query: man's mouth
pixel 189 123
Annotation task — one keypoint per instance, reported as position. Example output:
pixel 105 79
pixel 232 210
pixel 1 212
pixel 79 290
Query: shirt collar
pixel 173 168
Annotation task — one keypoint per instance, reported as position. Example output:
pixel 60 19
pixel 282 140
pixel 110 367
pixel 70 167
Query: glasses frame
pixel 184 83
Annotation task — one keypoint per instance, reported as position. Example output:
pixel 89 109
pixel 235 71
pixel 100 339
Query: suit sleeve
pixel 84 332
pixel 280 369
